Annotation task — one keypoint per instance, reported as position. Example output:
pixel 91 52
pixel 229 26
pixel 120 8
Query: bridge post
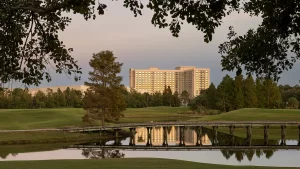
pixel 117 142
pixel 231 130
pixel 165 136
pixel 132 138
pixel 283 141
pixel 299 135
pixel 199 136
pixel 215 136
pixel 149 139
pixel 266 135
pixel 181 134
pixel 249 135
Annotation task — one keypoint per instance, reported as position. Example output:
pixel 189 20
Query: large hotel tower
pixel 187 78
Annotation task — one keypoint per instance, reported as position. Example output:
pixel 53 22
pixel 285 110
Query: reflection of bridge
pixel 173 136
pixel 193 135
pixel 198 128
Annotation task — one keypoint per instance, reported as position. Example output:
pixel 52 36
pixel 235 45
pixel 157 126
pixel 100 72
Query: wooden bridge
pixel 184 123
pixel 184 148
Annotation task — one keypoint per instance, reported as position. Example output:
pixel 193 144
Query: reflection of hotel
pixel 157 136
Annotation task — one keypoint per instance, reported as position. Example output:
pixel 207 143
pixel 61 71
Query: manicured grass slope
pixel 256 115
pixel 119 164
pixel 54 118
pixel 13 119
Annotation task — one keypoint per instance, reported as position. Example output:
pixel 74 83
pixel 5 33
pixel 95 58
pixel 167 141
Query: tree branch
pixel 40 10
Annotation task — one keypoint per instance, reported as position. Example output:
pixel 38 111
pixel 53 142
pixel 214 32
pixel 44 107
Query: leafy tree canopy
pixel 29 40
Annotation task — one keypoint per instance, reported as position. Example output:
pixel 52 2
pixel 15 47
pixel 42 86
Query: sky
pixel 138 44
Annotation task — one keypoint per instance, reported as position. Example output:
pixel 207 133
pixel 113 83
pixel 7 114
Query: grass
pixel 134 163
pixel 46 137
pixel 14 119
pixel 255 114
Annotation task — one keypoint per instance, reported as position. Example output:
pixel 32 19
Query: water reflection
pixel 249 154
pixel 102 153
pixel 172 136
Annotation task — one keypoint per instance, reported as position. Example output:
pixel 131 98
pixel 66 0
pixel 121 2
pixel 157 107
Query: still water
pixel 284 158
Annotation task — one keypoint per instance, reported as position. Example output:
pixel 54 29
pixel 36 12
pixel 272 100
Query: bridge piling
pixel 149 135
pixel 299 135
pixel 117 141
pixel 199 135
pixel 181 133
pixel 165 136
pixel 132 137
pixel 231 131
pixel 249 135
pixel 215 136
pixel 266 135
pixel 283 140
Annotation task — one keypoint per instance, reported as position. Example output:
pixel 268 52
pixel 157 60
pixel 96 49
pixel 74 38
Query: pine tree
pixel 60 98
pixel 211 94
pixel 238 92
pixel 104 99
pixel 261 98
pixel 185 97
pixel 167 96
pixel 226 94
pixel 272 93
pixel 250 99
pixel 176 100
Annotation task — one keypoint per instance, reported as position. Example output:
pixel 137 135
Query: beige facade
pixel 153 80
pixel 33 91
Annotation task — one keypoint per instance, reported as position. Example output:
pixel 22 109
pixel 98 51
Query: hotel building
pixel 187 78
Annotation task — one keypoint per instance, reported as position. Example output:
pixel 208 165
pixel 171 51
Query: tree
pixel 76 98
pixel 31 42
pixel 21 98
pixel 156 99
pixel 250 99
pixel 226 94
pixel 270 49
pixel 272 93
pixel 176 100
pixel 167 96
pixel 103 99
pixel 185 97
pixel 60 98
pixel 261 98
pixel 199 103
pixel 68 98
pixel 40 100
pixel 50 99
pixel 238 92
pixel 212 97
pixel 293 103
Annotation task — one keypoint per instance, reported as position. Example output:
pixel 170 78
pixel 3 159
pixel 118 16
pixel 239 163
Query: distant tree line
pixel 232 94
pixel 21 99
pixel 290 95
pixel 135 99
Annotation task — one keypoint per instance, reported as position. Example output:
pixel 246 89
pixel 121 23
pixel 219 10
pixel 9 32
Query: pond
pixel 273 157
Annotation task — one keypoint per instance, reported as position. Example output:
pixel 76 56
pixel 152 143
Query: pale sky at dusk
pixel 138 44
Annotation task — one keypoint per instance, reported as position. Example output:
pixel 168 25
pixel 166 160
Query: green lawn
pixel 134 163
pixel 256 114
pixel 48 137
pixel 14 119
